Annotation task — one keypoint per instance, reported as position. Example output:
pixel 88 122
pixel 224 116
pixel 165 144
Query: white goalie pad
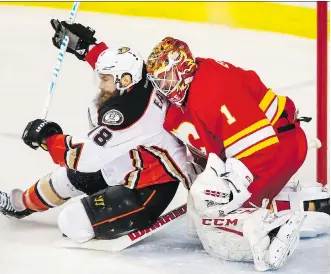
pixel 248 234
pixel 285 242
pixel 222 237
pixel 190 226
pixel 296 193
pixel 273 237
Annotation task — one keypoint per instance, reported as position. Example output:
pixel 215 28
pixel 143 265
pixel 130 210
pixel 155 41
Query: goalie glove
pixel 80 37
pixel 238 177
pixel 192 170
pixel 221 188
pixel 210 189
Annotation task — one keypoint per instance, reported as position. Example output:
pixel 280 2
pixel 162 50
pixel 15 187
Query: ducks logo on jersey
pixel 113 117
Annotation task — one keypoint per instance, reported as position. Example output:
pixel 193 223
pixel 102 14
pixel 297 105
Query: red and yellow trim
pixel 259 146
pixel 250 140
pixel 234 138
pixel 273 106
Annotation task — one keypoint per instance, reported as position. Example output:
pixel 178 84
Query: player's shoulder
pixel 217 74
pixel 209 78
pixel 173 118
pixel 210 63
pixel 122 112
pixel 212 85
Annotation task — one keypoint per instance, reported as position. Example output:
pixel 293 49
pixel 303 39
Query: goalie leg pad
pixel 190 226
pixel 297 196
pixel 311 198
pixel 285 242
pixel 316 223
pixel 273 237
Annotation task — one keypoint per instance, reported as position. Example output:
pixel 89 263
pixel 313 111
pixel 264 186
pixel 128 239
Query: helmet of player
pixel 124 64
pixel 170 68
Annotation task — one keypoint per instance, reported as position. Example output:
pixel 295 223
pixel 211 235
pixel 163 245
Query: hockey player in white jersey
pixel 263 237
pixel 129 166
pixel 225 243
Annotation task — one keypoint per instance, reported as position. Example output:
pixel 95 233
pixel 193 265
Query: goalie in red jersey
pixel 223 109
pixel 253 134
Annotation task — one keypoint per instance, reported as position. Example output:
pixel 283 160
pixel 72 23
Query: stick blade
pixel 126 240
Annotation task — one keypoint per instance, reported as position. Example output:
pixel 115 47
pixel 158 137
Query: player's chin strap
pixel 272 236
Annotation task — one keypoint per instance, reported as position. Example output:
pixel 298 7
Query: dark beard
pixel 103 97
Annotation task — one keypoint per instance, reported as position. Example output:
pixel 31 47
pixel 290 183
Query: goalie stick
pixel 59 61
pixel 129 239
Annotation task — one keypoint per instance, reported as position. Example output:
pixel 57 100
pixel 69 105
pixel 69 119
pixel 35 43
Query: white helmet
pixel 123 63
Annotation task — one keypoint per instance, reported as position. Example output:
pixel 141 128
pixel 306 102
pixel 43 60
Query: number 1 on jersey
pixel 229 117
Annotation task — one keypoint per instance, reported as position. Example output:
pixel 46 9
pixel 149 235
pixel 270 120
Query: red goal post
pixel 322 91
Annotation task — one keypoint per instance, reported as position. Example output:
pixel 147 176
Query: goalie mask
pixel 170 68
pixel 123 64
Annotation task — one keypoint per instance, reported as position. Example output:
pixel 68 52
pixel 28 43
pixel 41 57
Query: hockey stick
pixel 59 61
pixel 129 239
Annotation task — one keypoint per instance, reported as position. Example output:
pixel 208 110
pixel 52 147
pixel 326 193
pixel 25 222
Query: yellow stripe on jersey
pixel 249 141
pixel 267 99
pixel 267 106
pixel 257 147
pixel 280 109
pixel 246 131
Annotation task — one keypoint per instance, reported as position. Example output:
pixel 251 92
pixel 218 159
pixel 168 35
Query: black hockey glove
pixel 36 132
pixel 80 37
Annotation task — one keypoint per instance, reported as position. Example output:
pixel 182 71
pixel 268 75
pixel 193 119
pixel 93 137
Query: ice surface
pixel 27 58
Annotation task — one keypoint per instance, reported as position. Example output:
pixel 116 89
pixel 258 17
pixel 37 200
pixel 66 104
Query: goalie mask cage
pixel 322 93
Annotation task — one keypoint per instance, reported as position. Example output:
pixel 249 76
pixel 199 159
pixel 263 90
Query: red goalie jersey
pixel 230 112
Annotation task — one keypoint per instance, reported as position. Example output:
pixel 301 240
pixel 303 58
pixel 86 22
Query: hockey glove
pixel 80 37
pixel 238 177
pixel 36 132
pixel 209 189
